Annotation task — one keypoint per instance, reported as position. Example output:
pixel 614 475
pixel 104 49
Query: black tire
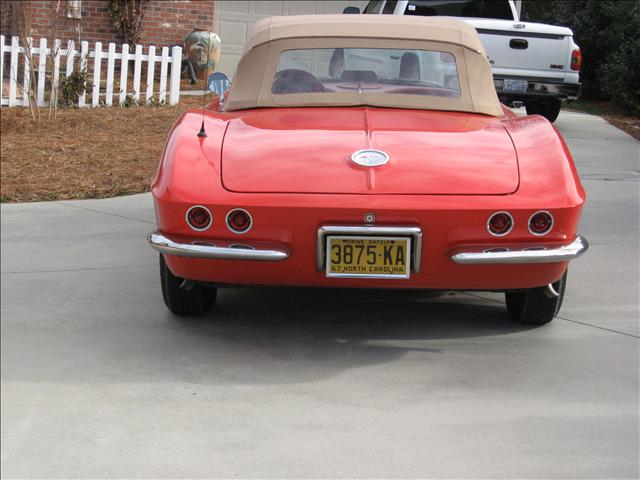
pixel 535 305
pixel 181 301
pixel 549 109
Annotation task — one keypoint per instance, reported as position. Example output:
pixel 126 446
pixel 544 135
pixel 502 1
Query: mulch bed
pixel 88 153
pixel 631 125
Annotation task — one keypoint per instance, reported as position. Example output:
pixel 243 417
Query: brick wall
pixel 5 18
pixel 165 22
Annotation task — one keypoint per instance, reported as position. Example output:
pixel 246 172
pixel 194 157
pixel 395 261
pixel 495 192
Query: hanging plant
pixel 126 15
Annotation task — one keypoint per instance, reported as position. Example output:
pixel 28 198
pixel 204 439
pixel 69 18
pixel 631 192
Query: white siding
pixel 233 17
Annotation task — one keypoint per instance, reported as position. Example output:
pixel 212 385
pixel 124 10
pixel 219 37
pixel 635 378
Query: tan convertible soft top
pixel 271 36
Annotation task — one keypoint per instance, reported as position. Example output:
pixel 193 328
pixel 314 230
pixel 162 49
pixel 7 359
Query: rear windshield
pixel 461 8
pixel 375 70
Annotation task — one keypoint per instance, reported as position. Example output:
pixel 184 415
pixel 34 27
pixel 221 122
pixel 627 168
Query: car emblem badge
pixel 369 158
pixel 369 218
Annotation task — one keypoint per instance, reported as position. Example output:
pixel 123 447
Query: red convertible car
pixel 370 152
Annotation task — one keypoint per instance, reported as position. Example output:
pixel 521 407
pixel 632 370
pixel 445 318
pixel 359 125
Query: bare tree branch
pixel 21 18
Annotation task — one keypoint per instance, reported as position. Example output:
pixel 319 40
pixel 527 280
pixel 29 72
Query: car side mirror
pixel 351 10
pixel 218 83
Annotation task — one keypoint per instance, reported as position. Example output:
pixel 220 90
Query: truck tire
pixel 534 305
pixel 196 300
pixel 549 109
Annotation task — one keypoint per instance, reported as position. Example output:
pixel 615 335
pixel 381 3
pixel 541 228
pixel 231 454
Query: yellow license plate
pixel 373 257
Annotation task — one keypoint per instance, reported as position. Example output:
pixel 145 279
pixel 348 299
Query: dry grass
pixel 88 153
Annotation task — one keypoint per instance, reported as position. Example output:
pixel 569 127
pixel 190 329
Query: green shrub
pixel 620 77
pixel 606 31
pixel 129 101
pixel 70 88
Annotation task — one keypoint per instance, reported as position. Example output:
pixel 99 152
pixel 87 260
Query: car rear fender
pixel 546 168
pixel 184 167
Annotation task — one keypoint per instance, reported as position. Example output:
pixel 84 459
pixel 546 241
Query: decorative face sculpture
pixel 202 49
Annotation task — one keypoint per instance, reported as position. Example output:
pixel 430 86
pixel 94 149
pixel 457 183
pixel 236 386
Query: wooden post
pixel 1 66
pixel 56 73
pixel 124 71
pixel 151 66
pixel 176 68
pixel 111 59
pixel 97 63
pixel 70 56
pixel 13 72
pixel 27 70
pixel 84 52
pixel 136 73
pixel 42 71
pixel 162 90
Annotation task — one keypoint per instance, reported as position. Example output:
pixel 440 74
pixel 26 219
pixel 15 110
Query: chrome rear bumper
pixel 553 255
pixel 539 89
pixel 203 250
pixel 256 252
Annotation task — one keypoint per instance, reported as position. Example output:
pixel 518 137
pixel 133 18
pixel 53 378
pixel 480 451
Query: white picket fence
pixel 98 97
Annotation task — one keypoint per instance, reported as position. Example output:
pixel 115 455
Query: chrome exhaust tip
pixel 551 292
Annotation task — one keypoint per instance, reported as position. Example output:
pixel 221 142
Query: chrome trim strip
pixel 167 246
pixel 414 232
pixel 552 255
pixel 508 33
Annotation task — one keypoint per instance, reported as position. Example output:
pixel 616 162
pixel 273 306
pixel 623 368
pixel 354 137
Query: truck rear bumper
pixel 537 89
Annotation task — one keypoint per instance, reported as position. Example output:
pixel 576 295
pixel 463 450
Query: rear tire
pixel 534 305
pixel 549 109
pixel 196 300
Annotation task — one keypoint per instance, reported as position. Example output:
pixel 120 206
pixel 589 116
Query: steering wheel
pixel 293 80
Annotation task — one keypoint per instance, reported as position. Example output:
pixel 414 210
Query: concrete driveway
pixel 99 380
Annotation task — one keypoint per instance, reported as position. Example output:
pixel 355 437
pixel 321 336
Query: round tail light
pixel 199 218
pixel 239 220
pixel 500 223
pixel 540 223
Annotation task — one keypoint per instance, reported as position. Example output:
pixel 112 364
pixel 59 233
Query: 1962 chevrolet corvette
pixel 371 152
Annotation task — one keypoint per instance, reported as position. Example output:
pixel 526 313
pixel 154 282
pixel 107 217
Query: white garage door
pixel 232 19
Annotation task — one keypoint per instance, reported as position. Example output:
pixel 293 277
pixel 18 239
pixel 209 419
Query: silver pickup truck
pixel 533 63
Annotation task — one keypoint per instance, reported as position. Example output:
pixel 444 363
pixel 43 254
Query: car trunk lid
pixel 308 150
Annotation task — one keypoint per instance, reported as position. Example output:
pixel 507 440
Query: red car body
pixel 291 169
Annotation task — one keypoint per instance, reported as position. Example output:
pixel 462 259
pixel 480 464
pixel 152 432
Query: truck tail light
pixel 576 60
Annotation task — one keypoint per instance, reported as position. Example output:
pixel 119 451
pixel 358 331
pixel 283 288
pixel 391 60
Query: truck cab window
pixel 461 8
pixel 374 6
pixel 389 7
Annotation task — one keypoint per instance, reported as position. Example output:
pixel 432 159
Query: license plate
pixel 372 257
pixel 518 86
